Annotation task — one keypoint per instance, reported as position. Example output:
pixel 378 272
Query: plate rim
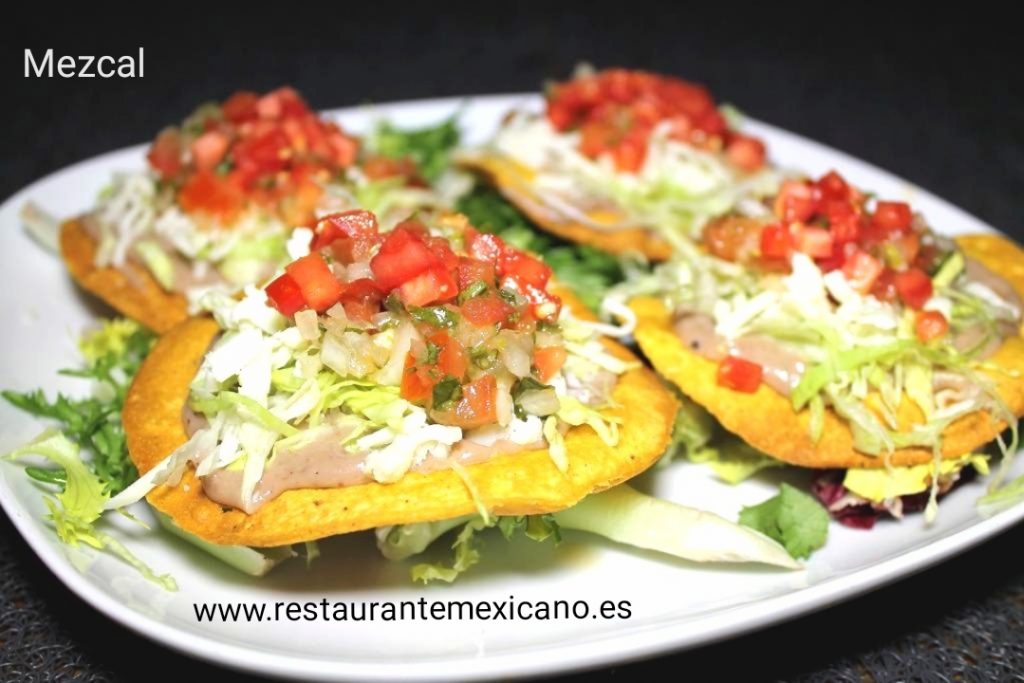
pixel 595 651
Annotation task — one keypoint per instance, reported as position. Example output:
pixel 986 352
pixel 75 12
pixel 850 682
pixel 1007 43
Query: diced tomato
pixel 281 103
pixel 524 269
pixel 862 270
pixel 416 381
pixel 549 360
pixel 845 227
pixel 892 216
pixel 795 202
pixel 452 359
pixel 403 256
pixel 208 149
pixel 813 241
pixel 443 251
pixel 263 154
pixel 746 153
pixel 733 238
pixel 833 186
pixel 472 270
pixel 358 225
pixel 546 306
pixel 381 167
pixel 477 407
pixel 485 247
pixel 776 242
pixel 207 192
pixel 914 287
pixel 629 155
pixel 165 153
pixel 739 374
pixel 284 295
pixel 884 288
pixel 431 286
pixel 319 287
pixel 240 107
pixel 361 299
pixel 488 309
pixel 930 325
pixel 902 249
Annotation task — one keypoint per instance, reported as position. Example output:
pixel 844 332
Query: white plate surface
pixel 674 604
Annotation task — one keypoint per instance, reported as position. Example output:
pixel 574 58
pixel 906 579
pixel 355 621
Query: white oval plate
pixel 674 604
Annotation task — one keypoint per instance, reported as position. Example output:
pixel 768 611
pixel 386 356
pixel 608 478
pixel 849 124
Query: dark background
pixel 938 100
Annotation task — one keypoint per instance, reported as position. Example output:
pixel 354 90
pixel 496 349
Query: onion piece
pixel 308 324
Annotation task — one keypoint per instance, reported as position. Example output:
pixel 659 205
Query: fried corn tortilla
pixel 134 293
pixel 516 484
pixel 514 182
pixel 767 421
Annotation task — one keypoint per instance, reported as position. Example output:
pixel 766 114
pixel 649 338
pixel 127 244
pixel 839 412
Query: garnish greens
pixel 430 148
pixel 83 486
pixel 793 518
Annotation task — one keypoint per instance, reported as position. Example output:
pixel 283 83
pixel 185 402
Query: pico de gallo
pixel 621 149
pixel 372 354
pixel 270 150
pixel 835 295
pixel 224 190
pixel 616 111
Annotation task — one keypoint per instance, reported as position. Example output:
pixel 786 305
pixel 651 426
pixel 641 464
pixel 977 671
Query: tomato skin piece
pixel 914 287
pixel 402 256
pixel 930 325
pixel 776 242
pixel 416 383
pixel 489 309
pixel 320 288
pixel 284 295
pixel 739 374
pixel 862 270
pixel 549 361
pixel 892 216
pixel 795 202
pixel 746 153
pixel 164 155
pixel 434 285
